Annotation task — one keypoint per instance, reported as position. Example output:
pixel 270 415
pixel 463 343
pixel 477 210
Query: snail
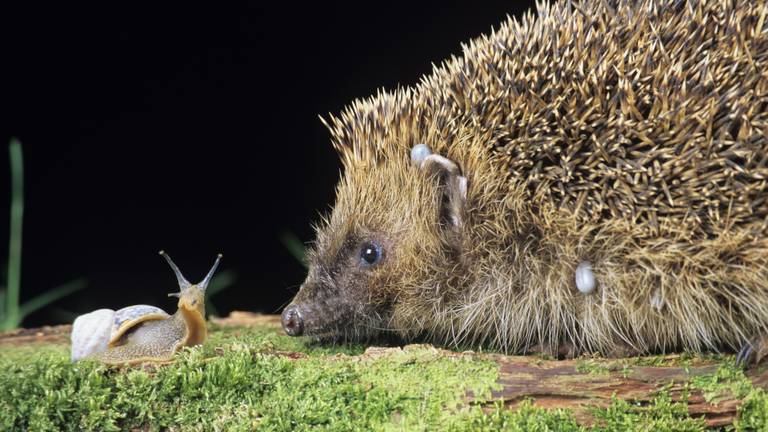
pixel 143 333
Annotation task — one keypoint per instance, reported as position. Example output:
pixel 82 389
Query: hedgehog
pixel 591 178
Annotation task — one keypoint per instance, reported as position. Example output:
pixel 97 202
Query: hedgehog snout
pixel 293 323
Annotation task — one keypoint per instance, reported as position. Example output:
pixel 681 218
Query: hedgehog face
pixel 344 295
pixel 392 227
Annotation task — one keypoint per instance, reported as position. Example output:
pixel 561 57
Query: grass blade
pixel 2 306
pixel 50 296
pixel 219 283
pixel 294 245
pixel 62 315
pixel 13 286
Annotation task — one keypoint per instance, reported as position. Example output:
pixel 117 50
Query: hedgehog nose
pixel 293 324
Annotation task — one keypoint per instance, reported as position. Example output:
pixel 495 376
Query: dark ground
pixel 194 129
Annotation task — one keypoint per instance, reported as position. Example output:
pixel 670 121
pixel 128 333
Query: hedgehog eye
pixel 370 253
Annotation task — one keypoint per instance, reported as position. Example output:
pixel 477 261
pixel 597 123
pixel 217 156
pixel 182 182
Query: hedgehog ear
pixel 454 187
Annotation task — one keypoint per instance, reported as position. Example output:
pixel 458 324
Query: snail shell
pixel 96 331
pixel 90 333
pixel 131 316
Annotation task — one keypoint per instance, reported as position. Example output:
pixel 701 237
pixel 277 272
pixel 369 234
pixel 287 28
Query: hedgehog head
pixel 395 222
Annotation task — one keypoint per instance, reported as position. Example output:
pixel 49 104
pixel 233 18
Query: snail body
pixel 143 333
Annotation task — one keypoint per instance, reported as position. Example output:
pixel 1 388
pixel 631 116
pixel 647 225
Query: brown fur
pixel 628 134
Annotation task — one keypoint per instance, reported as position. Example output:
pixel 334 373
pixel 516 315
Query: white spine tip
pixel 657 301
pixel 419 152
pixel 585 279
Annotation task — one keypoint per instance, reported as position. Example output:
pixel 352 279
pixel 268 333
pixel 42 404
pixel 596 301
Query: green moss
pixel 730 380
pixel 523 419
pixel 240 380
pixel 269 339
pixel 592 366
pixel 661 415
pixel 727 380
pixel 255 378
pixel 753 412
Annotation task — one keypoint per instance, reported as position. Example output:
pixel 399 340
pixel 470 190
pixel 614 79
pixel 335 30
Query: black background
pixel 194 129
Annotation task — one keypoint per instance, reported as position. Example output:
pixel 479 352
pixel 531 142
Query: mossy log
pixel 579 385
pixel 570 384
